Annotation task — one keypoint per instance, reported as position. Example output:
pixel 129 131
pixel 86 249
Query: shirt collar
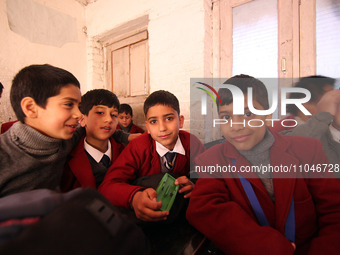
pixel 335 133
pixel 161 150
pixel 96 154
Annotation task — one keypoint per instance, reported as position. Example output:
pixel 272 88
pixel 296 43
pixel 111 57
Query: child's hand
pixel 146 206
pixel 186 185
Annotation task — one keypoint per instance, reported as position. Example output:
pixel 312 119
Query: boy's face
pixel 100 124
pixel 59 119
pixel 163 124
pixel 243 136
pixel 124 119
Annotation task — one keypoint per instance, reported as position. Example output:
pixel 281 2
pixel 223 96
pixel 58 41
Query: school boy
pixel 259 213
pixel 146 155
pixel 125 120
pixel 33 151
pixel 325 126
pixel 95 152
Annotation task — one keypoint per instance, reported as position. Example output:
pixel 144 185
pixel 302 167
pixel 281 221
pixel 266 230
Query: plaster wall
pixel 18 51
pixel 176 42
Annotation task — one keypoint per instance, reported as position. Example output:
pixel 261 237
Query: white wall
pixel 176 41
pixel 16 51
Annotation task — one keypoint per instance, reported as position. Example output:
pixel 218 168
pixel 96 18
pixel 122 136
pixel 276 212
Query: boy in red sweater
pixel 145 156
pixel 248 211
pixel 95 152
pixel 125 120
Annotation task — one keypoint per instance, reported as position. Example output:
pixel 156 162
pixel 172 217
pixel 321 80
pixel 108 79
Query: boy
pixel 125 120
pixel 324 125
pixel 317 85
pixel 145 156
pixel 91 158
pixel 253 212
pixel 33 151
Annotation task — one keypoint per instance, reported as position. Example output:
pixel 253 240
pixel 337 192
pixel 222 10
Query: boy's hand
pixel 186 185
pixel 329 102
pixel 133 136
pixel 146 206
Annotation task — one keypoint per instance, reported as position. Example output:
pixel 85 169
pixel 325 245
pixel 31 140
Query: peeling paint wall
pixel 42 32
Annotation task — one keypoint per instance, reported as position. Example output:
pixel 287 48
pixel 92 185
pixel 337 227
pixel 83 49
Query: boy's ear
pixel 83 120
pixel 29 107
pixel 181 121
pixel 147 127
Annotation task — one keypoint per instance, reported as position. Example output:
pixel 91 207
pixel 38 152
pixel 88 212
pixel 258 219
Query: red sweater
pixel 140 158
pixel 220 209
pixel 78 171
pixel 134 129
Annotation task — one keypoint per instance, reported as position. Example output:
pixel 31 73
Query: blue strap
pixel 261 217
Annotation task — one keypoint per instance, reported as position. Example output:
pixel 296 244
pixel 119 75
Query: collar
pixel 126 129
pixel 161 150
pixel 335 133
pixel 96 154
pixel 32 141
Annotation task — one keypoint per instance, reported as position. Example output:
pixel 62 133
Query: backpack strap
pixel 261 217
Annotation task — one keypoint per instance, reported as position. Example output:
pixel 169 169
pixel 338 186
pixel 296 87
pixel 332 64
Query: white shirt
pixel 96 154
pixel 161 150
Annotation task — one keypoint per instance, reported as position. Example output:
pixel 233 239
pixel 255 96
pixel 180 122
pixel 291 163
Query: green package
pixel 166 192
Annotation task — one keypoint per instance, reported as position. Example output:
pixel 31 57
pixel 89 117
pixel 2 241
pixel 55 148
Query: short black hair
pixel 161 97
pixel 315 84
pixel 98 97
pixel 39 82
pixel 125 108
pixel 243 82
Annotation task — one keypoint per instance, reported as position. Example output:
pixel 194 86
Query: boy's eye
pixel 226 117
pixel 152 121
pixel 99 113
pixel 114 115
pixel 169 118
pixel 248 114
pixel 69 104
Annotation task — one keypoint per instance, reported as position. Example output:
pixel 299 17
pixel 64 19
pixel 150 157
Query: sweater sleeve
pixel 325 194
pixel 315 127
pixel 115 186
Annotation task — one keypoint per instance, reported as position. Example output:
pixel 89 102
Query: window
pixel 128 65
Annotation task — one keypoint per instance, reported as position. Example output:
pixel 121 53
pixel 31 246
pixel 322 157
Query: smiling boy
pixel 33 152
pixel 270 212
pixel 145 156
pixel 91 158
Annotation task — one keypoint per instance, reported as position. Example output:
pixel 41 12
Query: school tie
pixel 169 156
pixel 105 161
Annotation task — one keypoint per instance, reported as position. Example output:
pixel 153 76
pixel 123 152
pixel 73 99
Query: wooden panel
pixel 129 40
pixel 120 71
pixel 288 40
pixel 235 3
pixel 307 38
pixel 138 72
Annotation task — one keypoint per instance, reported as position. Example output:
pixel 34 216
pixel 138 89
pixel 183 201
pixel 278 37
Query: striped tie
pixel 169 156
